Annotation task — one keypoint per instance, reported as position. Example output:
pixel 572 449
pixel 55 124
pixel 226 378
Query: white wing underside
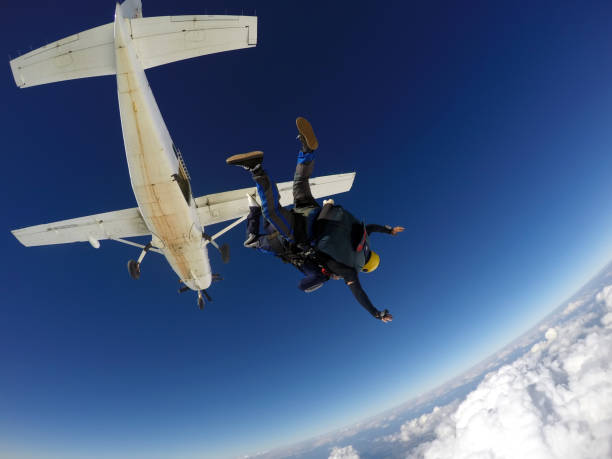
pixel 117 224
pixel 212 208
pixel 157 41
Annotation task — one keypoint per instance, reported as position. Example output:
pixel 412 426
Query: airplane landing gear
pixel 201 293
pixel 224 250
pixel 201 299
pixel 134 269
pixel 134 266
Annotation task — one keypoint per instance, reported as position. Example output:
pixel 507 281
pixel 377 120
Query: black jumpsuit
pixel 351 276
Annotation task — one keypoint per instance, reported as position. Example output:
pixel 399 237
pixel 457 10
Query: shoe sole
pixel 305 128
pixel 244 156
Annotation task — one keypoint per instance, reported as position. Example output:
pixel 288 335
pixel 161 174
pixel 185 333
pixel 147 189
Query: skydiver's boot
pixel 306 135
pixel 250 161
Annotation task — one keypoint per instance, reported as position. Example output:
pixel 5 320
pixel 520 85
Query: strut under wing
pixel 220 207
pixel 109 225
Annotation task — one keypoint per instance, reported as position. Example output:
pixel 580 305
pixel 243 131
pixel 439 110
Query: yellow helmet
pixel 372 263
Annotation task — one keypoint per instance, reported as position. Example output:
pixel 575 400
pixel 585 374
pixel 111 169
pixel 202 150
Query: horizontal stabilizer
pixel 165 39
pixel 217 208
pixel 157 41
pixel 86 54
pixel 110 225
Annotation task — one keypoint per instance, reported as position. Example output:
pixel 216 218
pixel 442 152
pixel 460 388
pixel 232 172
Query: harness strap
pixel 363 239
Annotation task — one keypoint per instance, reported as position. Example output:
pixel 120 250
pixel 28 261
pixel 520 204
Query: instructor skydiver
pixel 332 236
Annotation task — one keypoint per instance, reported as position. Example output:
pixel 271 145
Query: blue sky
pixel 483 128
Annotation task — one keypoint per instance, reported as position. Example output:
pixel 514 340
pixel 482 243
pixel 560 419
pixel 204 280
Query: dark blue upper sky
pixel 482 127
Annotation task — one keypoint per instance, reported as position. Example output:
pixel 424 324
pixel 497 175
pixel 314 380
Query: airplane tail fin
pixel 156 40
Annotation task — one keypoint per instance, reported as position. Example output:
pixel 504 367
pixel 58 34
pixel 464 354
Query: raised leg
pixel 302 195
pixel 277 215
pixel 252 226
pixel 268 192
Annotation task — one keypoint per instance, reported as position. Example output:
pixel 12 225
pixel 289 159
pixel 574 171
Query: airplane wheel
pixel 134 269
pixel 201 303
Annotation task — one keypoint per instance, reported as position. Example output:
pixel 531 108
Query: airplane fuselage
pixel 159 179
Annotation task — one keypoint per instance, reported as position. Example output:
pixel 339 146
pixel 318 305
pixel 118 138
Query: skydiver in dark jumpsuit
pixel 332 236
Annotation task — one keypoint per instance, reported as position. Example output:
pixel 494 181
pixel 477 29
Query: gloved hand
pixel 328 201
pixel 385 316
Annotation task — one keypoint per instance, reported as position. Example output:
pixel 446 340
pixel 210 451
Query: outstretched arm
pixel 352 280
pixel 373 228
pixel 361 296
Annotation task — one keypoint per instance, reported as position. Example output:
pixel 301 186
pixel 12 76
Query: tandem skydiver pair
pixel 322 242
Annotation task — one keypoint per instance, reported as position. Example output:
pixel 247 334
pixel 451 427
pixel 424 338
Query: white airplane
pixel 167 210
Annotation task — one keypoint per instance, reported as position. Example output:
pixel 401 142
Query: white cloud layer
pixel 548 400
pixel 348 452
pixel 571 307
pixel 554 402
pixel 423 425
pixel 605 296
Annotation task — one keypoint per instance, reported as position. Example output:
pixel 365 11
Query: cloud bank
pixel 348 452
pixel 546 395
pixel 554 402
pixel 424 425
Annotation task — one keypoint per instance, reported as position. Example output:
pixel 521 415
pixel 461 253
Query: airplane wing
pixel 219 207
pixel 109 225
pixel 212 208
